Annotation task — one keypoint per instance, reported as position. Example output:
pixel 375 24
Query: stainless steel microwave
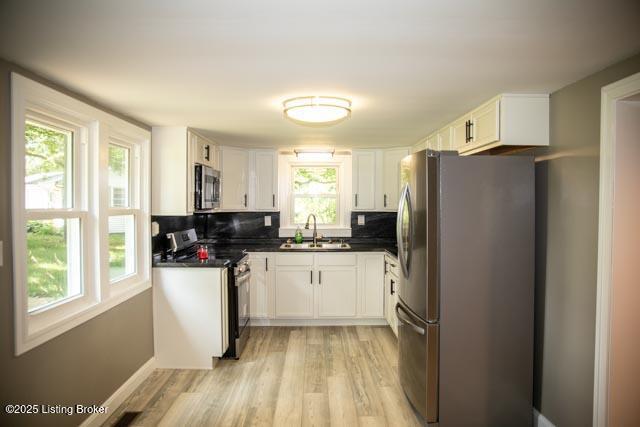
pixel 207 188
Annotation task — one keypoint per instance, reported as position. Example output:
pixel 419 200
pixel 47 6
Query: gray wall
pixel 84 365
pixel 567 177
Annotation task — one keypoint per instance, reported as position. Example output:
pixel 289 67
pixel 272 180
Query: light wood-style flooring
pixel 287 376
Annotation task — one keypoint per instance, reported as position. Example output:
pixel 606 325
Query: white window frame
pixel 343 227
pixel 293 196
pixel 92 129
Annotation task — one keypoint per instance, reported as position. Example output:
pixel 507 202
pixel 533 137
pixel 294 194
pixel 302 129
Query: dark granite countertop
pixel 273 245
pixel 232 250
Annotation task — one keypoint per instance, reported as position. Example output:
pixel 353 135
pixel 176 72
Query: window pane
pixel 48 170
pixel 324 208
pixel 315 180
pixel 121 246
pixel 53 261
pixel 118 176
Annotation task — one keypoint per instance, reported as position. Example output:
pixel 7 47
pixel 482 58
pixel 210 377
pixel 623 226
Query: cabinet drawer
pixel 393 266
pixel 294 259
pixel 336 259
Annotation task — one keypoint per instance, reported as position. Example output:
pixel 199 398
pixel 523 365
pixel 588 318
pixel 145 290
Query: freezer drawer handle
pixel 407 321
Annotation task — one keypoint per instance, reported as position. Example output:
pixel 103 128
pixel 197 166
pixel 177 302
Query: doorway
pixel 617 360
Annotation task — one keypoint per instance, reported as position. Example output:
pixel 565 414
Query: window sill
pixel 75 318
pixel 325 231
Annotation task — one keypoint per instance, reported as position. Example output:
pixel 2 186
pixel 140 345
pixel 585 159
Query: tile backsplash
pixel 250 225
pixel 379 225
pixel 241 225
pixel 223 225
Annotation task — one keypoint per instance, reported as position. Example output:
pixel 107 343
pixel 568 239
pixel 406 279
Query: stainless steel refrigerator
pixel 466 246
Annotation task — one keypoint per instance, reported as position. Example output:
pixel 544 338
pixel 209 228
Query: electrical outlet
pixel 267 221
pixel 360 219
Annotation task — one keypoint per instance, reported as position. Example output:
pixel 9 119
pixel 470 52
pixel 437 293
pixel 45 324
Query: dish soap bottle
pixel 298 236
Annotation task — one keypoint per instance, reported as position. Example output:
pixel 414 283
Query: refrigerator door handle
pixel 406 321
pixel 405 203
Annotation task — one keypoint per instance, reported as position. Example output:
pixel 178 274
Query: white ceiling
pixel 223 67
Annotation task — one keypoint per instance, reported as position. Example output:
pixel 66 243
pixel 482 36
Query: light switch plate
pixel 267 221
pixel 360 219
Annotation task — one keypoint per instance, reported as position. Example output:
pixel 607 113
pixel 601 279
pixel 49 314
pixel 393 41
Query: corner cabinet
pixel 234 177
pixel 175 150
pixel 388 199
pixel 376 179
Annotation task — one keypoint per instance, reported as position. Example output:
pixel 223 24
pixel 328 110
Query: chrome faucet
pixel 315 229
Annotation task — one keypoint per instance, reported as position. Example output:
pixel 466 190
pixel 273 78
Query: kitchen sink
pixel 308 246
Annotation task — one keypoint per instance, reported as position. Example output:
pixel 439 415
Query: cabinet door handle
pixel 245 200
pixel 273 200
pixel 385 200
pixel 356 199
pixel 320 277
pixel 470 131
pixel 206 152
pixel 266 264
pixel 466 131
pixel 311 276
pixel 393 290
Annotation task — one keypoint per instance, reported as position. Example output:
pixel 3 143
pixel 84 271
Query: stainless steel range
pixel 239 309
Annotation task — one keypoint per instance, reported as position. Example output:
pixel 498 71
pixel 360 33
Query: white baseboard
pixel 318 322
pixel 121 394
pixel 539 420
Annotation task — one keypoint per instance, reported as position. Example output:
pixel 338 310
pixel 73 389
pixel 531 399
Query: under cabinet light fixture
pixel 313 154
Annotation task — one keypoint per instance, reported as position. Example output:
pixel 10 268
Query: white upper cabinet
pixel 444 139
pixel 485 124
pixel 174 151
pixel 364 180
pixel 234 171
pixel 265 179
pixel 391 178
pixel 204 150
pixel 506 120
pixel 458 131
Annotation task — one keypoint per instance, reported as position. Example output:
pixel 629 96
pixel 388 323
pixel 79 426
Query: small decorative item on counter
pixel 203 253
pixel 298 236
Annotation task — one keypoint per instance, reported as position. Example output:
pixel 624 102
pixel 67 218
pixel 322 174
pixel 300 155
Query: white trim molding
pixel 33 101
pixel 320 322
pixel 540 420
pixel 611 94
pixel 121 394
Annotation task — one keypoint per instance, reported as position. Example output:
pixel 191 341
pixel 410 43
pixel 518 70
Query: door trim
pixel 610 95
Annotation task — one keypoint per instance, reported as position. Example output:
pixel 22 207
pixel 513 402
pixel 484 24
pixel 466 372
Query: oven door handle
pixel 241 278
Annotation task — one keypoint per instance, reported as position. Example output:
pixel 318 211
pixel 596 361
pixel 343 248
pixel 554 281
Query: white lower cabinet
pixel 337 291
pixel 305 285
pixel 391 285
pixel 261 285
pixel 371 280
pixel 190 317
pixel 294 292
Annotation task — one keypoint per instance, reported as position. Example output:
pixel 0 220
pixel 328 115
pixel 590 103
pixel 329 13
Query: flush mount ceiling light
pixel 317 110
pixel 313 154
